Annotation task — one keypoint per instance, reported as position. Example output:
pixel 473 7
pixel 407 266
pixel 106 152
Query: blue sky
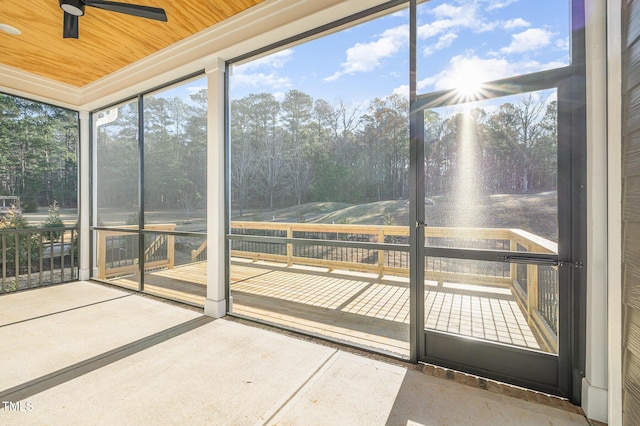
pixel 460 42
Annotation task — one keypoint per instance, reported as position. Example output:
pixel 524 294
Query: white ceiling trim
pixel 27 85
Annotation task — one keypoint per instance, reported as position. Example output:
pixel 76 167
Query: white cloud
pixel 483 27
pixel 533 66
pixel 402 90
pixel 448 11
pixel 563 44
pixel 461 67
pixel 261 80
pixel 365 57
pixel 450 17
pixel 493 5
pixel 515 23
pixel 405 89
pixel 276 60
pixel 196 89
pixel 434 28
pixel 528 40
pixel 262 73
pixel 443 42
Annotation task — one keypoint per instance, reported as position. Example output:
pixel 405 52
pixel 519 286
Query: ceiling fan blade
pixel 70 27
pixel 148 12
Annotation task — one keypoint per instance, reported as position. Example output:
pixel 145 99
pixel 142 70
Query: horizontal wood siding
pixel 632 111
pixel 631 212
pixel 631 156
pixel 632 22
pixel 632 77
pixel 632 200
pixel 631 404
pixel 632 294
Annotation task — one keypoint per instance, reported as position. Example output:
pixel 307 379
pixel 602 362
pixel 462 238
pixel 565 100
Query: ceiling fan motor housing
pixel 73 7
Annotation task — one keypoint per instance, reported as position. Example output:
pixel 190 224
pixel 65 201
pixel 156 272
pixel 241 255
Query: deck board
pixel 353 307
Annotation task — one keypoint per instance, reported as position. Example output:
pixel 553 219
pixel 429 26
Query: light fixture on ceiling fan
pixel 75 8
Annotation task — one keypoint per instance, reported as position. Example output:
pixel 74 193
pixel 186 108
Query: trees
pixel 269 143
pixel 38 152
pixel 313 150
pixel 284 152
pixel 522 140
pixel 297 109
pixel 386 136
pixel 116 149
pixel 175 154
pixel 243 167
pixel 175 149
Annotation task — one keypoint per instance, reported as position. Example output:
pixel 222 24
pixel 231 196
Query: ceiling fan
pixel 75 8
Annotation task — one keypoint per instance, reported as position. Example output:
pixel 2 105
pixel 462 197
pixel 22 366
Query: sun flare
pixel 468 83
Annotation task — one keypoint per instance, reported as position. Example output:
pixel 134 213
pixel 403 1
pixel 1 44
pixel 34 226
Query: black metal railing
pixel 521 272
pixel 384 249
pixel 467 267
pixel 548 296
pixel 121 250
pixel 259 247
pixel 36 257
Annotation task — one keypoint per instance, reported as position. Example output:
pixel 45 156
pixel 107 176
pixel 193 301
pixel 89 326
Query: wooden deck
pixel 352 307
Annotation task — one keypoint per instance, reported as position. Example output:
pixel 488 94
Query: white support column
pixel 595 382
pixel 216 303
pixel 614 154
pixel 83 198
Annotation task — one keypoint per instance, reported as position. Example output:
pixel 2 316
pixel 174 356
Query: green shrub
pixel 29 203
pixel 53 220
pixel 13 220
pixel 27 243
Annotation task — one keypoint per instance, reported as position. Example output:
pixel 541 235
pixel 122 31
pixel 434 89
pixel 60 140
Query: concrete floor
pixel 82 353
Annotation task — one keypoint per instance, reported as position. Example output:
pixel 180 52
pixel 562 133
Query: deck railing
pixel 380 250
pixel 538 295
pixel 36 257
pixel 118 250
pixel 385 252
pixel 199 254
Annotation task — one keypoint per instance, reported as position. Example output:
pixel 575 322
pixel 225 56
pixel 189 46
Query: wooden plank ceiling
pixel 107 40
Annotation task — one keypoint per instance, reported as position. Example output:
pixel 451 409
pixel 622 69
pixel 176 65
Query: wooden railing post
pixel 513 267
pixel 289 246
pixel 171 251
pixel 381 254
pixel 102 255
pixel 532 290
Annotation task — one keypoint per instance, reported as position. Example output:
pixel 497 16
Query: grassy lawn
pixel 536 213
pixel 37 219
